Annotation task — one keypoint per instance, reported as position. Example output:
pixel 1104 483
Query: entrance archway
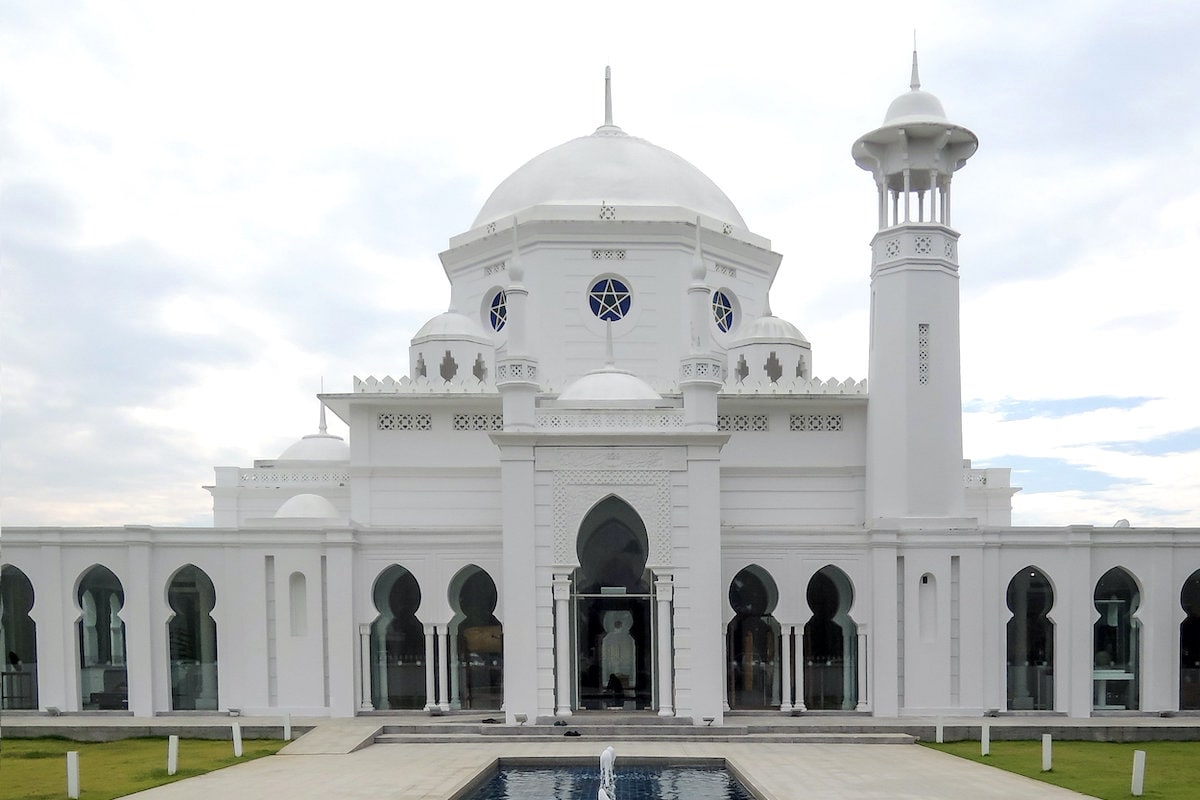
pixel 397 642
pixel 1116 662
pixel 478 641
pixel 753 640
pixel 103 681
pixel 614 626
pixel 192 636
pixel 830 643
pixel 1030 659
pixel 18 641
pixel 1189 645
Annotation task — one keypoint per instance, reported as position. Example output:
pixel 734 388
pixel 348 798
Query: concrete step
pixel 708 735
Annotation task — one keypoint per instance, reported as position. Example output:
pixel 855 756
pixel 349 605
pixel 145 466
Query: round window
pixel 723 313
pixel 498 311
pixel 610 299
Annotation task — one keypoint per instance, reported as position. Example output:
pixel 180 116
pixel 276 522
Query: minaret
pixel 516 372
pixel 700 371
pixel 914 413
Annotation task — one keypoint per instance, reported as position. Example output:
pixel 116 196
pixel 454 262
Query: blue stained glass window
pixel 498 312
pixel 610 299
pixel 722 311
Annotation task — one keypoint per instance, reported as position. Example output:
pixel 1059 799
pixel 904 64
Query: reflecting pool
pixel 633 783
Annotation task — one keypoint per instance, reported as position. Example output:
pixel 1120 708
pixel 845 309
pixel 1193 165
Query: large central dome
pixel 613 168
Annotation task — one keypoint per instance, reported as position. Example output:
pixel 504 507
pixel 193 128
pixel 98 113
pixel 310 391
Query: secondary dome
pixel 608 387
pixel 916 105
pixel 609 167
pixel 451 325
pixel 307 506
pixel 770 329
pixel 319 446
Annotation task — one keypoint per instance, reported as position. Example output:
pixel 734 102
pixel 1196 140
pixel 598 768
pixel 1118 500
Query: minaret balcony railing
pixel 929 242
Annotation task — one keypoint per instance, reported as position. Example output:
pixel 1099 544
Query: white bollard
pixel 985 739
pixel 237 740
pixel 939 734
pixel 1047 760
pixel 172 754
pixel 287 727
pixel 73 774
pixel 1139 772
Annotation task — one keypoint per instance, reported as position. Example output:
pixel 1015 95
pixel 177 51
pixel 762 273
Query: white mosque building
pixel 611 478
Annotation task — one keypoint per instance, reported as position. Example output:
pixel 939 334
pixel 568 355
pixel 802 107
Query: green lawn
pixel 36 769
pixel 1100 769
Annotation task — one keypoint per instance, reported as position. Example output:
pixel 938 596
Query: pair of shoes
pixel 560 723
pixel 572 733
pixel 490 721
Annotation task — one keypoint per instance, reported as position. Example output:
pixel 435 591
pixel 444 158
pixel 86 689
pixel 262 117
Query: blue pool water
pixel 633 783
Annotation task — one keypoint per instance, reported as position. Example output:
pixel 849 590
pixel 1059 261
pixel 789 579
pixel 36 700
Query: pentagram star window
pixel 498 311
pixel 722 311
pixel 610 299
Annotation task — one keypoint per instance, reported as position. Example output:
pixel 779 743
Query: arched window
pixel 18 641
pixel 192 636
pixel 1116 656
pixel 1030 651
pixel 830 643
pixel 477 678
pixel 397 642
pixel 1189 645
pixel 753 640
pixel 103 682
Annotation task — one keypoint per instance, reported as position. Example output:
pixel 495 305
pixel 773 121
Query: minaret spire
pixel 323 428
pixel 609 359
pixel 608 96
pixel 915 83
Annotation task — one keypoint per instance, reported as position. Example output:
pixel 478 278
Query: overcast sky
pixel 207 208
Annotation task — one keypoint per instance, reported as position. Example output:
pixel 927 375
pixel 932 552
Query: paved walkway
pixel 778 771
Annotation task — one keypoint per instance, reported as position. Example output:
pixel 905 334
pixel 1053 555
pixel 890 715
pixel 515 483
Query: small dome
pixel 307 506
pixel 613 168
pixel 452 325
pixel 769 329
pixel 915 106
pixel 608 386
pixel 318 447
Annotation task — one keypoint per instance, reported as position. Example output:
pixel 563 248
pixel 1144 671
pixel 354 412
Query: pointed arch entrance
pixel 753 640
pixel 397 642
pixel 830 643
pixel 1030 633
pixel 18 641
pixel 103 681
pixel 613 620
pixel 477 639
pixel 1116 649
pixel 1189 645
pixel 192 640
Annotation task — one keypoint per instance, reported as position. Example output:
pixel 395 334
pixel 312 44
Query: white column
pixel 455 679
pixel 364 667
pixel 562 645
pixel 443 639
pixel 907 195
pixel 864 701
pixel 725 667
pixel 785 702
pixel 664 591
pixel 430 677
pixel 799 705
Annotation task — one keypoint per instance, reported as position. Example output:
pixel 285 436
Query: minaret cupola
pixel 913 155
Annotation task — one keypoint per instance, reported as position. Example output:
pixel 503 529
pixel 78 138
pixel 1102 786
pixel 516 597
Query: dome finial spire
pixel 915 83
pixel 609 359
pixel 608 96
pixel 323 428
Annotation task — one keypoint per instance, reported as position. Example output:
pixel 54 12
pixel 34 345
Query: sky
pixel 207 209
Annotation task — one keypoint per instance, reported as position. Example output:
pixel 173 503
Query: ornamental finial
pixel 915 83
pixel 608 96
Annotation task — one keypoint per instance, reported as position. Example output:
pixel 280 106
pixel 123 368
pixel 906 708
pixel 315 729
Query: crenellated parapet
pixel 461 384
pixel 794 386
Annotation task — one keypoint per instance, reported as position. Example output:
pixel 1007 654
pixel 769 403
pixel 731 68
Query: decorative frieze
pixel 478 422
pixel 275 476
pixel 400 421
pixel 743 422
pixel 575 492
pixel 601 420
pixel 816 422
pixel 608 255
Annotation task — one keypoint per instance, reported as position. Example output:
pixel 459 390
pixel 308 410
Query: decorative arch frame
pixel 577 492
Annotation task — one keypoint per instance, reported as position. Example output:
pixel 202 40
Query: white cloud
pixel 270 183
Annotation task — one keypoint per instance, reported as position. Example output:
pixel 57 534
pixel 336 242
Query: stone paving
pixel 337 759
